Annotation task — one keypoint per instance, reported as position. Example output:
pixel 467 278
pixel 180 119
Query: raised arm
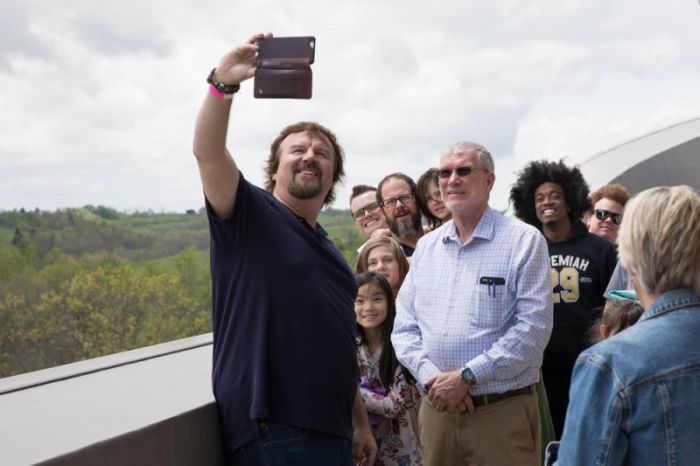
pixel 219 173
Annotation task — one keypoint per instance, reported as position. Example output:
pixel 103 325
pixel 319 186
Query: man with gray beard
pixel 397 194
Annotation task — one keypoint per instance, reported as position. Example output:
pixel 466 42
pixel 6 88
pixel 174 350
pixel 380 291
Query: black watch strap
pixel 221 87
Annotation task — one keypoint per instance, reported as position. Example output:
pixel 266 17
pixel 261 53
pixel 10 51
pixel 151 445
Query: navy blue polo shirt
pixel 284 324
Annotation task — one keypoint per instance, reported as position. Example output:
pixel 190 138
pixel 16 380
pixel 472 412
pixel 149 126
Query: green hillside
pixel 84 282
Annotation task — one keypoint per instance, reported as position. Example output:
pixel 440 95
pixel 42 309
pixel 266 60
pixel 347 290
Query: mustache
pixel 310 166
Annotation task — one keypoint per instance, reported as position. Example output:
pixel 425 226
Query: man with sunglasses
pixel 553 197
pixel 473 317
pixel 365 210
pixel 608 206
pixel 397 194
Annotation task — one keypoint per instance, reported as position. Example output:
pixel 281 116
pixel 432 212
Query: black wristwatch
pixel 221 87
pixel 468 376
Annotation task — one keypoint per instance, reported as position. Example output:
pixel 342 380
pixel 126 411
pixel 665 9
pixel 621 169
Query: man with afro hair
pixel 553 197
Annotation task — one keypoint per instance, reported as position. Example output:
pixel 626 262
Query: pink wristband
pixel 218 93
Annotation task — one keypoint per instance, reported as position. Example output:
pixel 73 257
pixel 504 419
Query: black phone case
pixel 283 68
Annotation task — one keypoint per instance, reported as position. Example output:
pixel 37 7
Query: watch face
pixel 468 376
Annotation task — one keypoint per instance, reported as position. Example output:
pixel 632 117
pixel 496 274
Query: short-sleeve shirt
pixel 284 325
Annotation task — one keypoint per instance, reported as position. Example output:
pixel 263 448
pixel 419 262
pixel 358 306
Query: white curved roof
pixel 667 157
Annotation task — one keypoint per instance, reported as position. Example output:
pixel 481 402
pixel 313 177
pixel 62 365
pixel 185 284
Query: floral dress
pixel 392 412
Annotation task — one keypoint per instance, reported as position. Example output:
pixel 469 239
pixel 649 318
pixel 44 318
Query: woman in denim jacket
pixel 636 396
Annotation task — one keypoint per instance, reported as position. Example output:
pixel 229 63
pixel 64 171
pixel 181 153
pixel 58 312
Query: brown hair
pixel 273 159
pixel 422 186
pixel 617 316
pixel 361 264
pixel 615 192
pixel 361 189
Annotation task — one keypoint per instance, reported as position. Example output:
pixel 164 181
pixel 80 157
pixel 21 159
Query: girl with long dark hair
pixel 387 388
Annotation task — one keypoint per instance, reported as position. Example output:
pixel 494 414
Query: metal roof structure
pixel 666 157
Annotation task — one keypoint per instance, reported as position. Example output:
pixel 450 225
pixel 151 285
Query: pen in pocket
pixel 492 283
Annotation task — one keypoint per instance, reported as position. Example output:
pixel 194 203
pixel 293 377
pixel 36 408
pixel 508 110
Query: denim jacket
pixel 635 398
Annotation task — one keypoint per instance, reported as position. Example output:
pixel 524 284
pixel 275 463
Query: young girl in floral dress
pixel 387 388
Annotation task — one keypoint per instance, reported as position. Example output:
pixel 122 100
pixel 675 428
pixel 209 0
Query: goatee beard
pixel 306 191
pixel 406 229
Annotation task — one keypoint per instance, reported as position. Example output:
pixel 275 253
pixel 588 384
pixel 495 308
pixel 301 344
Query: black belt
pixel 483 400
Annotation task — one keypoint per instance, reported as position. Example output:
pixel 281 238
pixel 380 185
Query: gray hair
pixel 659 239
pixel 483 156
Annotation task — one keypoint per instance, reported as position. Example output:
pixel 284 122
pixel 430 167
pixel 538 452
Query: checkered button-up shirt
pixel 485 304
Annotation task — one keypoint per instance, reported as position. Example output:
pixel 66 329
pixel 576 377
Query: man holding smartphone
pixel 284 362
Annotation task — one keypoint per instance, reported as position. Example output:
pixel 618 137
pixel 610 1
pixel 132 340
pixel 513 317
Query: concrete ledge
pixel 149 406
pixel 191 438
pixel 67 371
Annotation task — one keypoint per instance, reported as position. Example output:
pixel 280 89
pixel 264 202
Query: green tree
pixel 111 308
pixel 193 272
pixel 13 341
pixel 118 307
pixel 17 238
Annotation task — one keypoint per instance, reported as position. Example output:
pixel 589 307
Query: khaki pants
pixel 499 434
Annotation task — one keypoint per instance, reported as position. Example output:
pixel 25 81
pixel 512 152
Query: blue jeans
pixel 283 445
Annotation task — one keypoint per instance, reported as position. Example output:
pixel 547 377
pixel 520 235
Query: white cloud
pixel 99 103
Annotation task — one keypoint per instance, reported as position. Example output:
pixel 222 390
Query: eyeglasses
pixel 460 171
pixel 368 209
pixel 404 198
pixel 602 214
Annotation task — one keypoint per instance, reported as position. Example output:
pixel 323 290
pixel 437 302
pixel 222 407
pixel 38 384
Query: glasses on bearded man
pixel 404 198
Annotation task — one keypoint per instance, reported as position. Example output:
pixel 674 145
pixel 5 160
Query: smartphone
pixel 283 68
pixel 288 47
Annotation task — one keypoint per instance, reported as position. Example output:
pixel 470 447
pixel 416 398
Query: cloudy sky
pixel 99 98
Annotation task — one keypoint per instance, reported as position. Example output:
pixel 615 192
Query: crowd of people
pixel 462 336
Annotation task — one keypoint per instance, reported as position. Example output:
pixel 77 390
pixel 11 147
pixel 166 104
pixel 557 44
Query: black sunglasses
pixel 460 171
pixel 602 214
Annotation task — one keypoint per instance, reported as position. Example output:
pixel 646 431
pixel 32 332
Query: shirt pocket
pixel 491 301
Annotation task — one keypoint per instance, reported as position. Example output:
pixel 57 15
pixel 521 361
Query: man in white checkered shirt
pixel 473 318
